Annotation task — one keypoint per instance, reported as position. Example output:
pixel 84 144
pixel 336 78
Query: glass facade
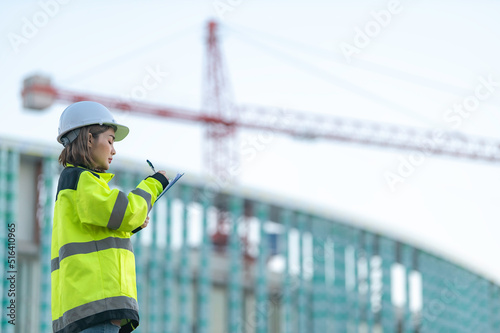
pixel 219 260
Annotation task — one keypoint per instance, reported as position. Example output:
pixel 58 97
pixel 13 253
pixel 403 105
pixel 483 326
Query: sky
pixel 424 64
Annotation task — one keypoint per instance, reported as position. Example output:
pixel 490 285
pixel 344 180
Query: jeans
pixel 105 327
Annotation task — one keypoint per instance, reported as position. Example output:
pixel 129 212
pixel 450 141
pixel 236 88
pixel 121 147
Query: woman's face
pixel 101 149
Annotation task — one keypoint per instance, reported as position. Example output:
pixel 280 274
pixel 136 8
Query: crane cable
pixel 113 62
pixel 361 63
pixel 321 73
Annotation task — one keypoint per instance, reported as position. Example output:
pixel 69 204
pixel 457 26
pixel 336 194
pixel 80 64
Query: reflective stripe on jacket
pixel 92 260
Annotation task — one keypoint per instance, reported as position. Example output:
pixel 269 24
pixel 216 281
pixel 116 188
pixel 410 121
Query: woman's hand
pixel 145 224
pixel 163 172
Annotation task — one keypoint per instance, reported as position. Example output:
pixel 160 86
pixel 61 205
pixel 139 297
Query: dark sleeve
pixel 161 178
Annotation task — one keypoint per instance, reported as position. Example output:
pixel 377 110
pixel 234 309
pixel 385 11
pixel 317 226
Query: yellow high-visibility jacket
pixel 92 260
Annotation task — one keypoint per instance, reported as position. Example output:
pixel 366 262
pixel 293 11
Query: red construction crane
pixel 39 93
pixel 223 119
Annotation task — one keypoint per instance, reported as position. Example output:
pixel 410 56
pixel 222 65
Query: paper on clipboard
pixel 172 182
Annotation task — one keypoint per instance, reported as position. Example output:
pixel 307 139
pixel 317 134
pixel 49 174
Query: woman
pixel 92 260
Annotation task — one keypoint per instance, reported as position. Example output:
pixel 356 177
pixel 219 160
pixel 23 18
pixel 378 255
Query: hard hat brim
pixel 121 131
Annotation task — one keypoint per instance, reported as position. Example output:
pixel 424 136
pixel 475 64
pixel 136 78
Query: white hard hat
pixel 86 113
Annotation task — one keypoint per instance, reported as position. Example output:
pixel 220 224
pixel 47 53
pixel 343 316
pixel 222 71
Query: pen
pixel 151 165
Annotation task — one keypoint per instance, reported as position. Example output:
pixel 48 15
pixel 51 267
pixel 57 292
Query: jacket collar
pixel 104 175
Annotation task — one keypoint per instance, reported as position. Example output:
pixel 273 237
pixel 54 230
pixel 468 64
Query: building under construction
pixel 199 271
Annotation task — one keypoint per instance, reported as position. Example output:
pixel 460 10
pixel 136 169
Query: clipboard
pixel 179 175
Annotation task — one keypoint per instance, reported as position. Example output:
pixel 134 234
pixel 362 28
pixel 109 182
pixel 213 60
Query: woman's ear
pixel 90 140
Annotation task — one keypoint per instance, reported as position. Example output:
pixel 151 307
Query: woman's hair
pixel 78 151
